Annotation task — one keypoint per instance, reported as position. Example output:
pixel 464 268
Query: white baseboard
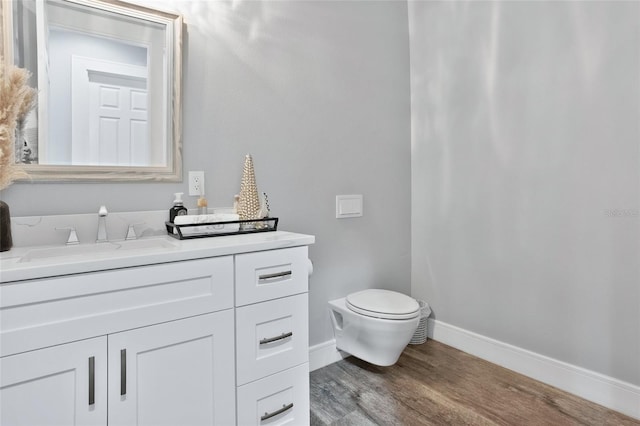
pixel 604 390
pixel 323 354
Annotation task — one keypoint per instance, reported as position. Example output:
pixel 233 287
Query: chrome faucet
pixel 102 225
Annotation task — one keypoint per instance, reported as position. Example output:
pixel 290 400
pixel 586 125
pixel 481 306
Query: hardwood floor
pixel 435 384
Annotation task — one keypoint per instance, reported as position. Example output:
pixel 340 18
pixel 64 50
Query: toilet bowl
pixel 374 325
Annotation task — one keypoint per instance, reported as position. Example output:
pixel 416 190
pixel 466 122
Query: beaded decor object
pixel 249 202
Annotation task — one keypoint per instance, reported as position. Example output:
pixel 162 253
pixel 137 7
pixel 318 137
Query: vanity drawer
pixel 46 312
pixel 271 336
pixel 271 274
pixel 282 398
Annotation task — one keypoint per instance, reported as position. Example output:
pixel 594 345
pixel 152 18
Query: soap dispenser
pixel 178 208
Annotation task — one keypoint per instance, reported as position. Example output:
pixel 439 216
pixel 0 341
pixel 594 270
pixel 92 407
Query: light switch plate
pixel 349 206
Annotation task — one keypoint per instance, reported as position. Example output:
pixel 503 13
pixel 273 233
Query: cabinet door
pixel 176 373
pixel 61 385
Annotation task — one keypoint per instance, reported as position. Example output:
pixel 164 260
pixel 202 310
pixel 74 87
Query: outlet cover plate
pixel 196 183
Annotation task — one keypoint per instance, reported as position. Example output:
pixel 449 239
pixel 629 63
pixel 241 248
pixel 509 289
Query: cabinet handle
pixel 92 380
pixel 123 371
pixel 266 277
pixel 275 339
pixel 275 413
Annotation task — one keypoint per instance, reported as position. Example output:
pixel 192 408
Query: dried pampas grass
pixel 16 100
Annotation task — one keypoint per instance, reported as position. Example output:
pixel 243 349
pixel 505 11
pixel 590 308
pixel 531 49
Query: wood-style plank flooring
pixel 435 384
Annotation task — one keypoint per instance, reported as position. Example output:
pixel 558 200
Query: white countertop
pixel 13 267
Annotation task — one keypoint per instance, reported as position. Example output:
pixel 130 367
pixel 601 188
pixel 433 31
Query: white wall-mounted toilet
pixel 374 325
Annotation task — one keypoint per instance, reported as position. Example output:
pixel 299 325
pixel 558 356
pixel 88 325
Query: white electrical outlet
pixel 196 183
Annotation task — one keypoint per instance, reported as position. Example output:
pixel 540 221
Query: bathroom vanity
pixel 157 332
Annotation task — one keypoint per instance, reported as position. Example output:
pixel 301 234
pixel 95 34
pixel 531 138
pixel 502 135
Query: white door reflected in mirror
pixel 109 115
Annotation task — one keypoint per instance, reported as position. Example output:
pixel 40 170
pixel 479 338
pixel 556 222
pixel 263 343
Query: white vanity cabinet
pixel 166 341
pixel 164 375
pixel 272 337
pixel 210 333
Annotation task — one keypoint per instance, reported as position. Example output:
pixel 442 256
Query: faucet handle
pixel 131 232
pixel 102 212
pixel 73 236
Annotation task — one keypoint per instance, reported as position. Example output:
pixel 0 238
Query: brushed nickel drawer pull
pixel 275 339
pixel 275 413
pixel 92 380
pixel 282 274
pixel 123 372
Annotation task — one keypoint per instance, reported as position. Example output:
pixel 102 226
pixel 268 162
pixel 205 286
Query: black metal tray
pixel 219 229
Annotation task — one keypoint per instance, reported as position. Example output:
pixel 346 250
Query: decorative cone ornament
pixel 249 202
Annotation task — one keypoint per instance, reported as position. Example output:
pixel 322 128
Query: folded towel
pixel 205 218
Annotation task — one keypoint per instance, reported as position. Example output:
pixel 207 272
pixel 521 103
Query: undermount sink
pixel 90 250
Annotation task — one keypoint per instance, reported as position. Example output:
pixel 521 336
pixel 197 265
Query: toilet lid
pixel 383 304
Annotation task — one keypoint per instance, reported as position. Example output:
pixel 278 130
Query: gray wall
pixel 318 93
pixel 526 175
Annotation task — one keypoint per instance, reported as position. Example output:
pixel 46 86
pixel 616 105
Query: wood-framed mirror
pixel 108 75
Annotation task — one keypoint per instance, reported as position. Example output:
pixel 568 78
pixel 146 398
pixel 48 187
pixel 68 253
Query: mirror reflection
pixel 107 75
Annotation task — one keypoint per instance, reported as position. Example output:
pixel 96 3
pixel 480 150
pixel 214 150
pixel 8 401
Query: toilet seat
pixel 383 304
